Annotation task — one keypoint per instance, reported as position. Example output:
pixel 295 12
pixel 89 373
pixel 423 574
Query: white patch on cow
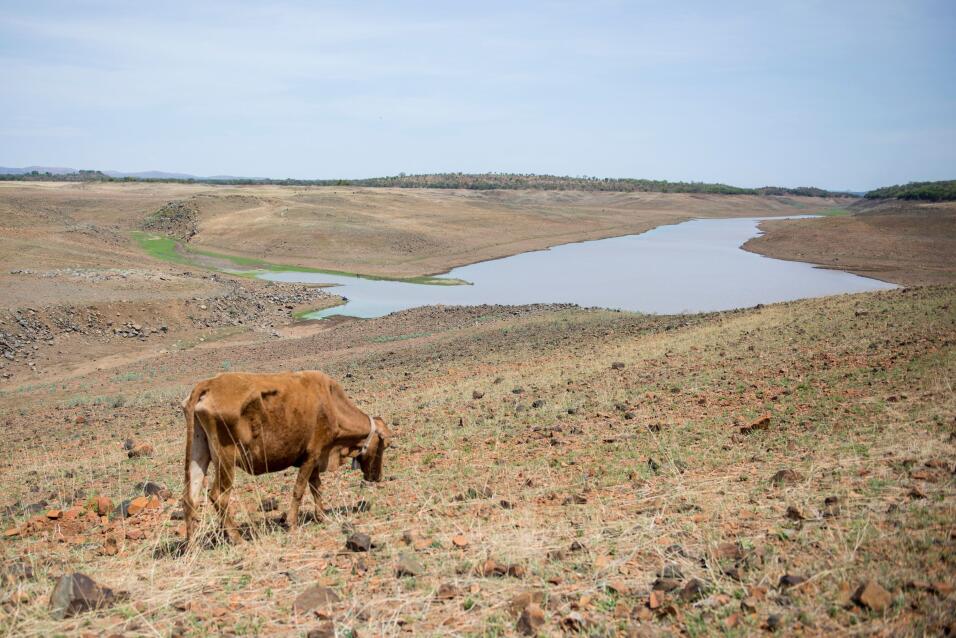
pixel 198 463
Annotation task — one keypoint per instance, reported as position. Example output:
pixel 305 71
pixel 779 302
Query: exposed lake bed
pixel 694 266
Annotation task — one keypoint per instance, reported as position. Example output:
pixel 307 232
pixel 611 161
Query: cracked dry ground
pixel 786 468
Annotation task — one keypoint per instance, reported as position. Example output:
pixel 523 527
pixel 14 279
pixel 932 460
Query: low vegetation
pixel 923 191
pixel 785 468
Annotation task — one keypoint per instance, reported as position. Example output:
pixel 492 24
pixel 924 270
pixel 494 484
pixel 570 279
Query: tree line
pixel 926 191
pixel 470 181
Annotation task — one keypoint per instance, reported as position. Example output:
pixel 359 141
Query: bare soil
pixel 786 468
pixel 901 242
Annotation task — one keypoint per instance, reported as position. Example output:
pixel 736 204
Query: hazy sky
pixel 835 94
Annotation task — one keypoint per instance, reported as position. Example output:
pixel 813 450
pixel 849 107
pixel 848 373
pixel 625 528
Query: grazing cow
pixel 267 423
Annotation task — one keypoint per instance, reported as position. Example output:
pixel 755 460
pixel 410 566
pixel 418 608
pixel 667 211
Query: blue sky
pixel 834 94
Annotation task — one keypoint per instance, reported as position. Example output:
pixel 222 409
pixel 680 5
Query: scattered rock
pixel 872 596
pixel 77 593
pixel 831 507
pixel 459 541
pixel 760 423
pixel 786 476
pixel 773 622
pixel 408 565
pixel 156 489
pixel 447 591
pixel 671 571
pixel 139 450
pixel 574 622
pixel 790 580
pixel 531 620
pixel 324 630
pixel 538 403
pixel 102 505
pixel 575 499
pixel 477 394
pixel 137 505
pixel 358 542
pixel 617 365
pixel 316 596
pixel 692 590
pixel 491 567
pixel 794 513
pixel 524 599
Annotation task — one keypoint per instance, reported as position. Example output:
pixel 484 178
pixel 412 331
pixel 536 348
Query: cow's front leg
pixel 305 473
pixel 315 487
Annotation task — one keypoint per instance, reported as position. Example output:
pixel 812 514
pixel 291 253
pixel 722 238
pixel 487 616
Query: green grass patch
pixel 833 212
pixel 168 249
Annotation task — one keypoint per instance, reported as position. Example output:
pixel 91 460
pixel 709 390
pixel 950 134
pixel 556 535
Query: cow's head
pixel 371 461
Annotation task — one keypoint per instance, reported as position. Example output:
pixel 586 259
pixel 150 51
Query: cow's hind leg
pixel 197 463
pixel 221 489
pixel 315 487
pixel 303 478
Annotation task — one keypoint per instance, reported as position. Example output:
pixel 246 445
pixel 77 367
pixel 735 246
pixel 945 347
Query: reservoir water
pixel 694 266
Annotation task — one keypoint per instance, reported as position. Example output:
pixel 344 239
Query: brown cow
pixel 267 423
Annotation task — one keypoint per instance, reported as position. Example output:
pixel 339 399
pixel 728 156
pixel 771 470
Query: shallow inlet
pixel 695 266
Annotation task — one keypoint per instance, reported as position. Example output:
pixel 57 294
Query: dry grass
pixel 860 397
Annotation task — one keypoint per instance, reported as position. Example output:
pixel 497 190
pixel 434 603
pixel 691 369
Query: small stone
pixel 77 593
pixel 517 571
pixel 790 580
pixel 524 599
pixel 786 476
pixel 459 541
pixel 316 596
pixel 531 619
pixel 324 630
pixel 155 489
pixel 477 394
pixel 538 403
pixel 794 513
pixel 491 567
pixel 447 591
pixel 574 622
pixel 760 423
pixel 671 571
pixel 137 505
pixel 102 505
pixel 358 542
pixel 692 590
pixel 773 623
pixel 140 450
pixel 617 365
pixel 872 596
pixel 665 584
pixel 54 514
pixel 408 565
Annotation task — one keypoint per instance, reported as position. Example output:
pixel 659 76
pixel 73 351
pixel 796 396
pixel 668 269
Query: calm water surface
pixel 695 266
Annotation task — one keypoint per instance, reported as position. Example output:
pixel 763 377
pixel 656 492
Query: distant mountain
pixel 62 170
pixel 53 170
pixel 151 175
